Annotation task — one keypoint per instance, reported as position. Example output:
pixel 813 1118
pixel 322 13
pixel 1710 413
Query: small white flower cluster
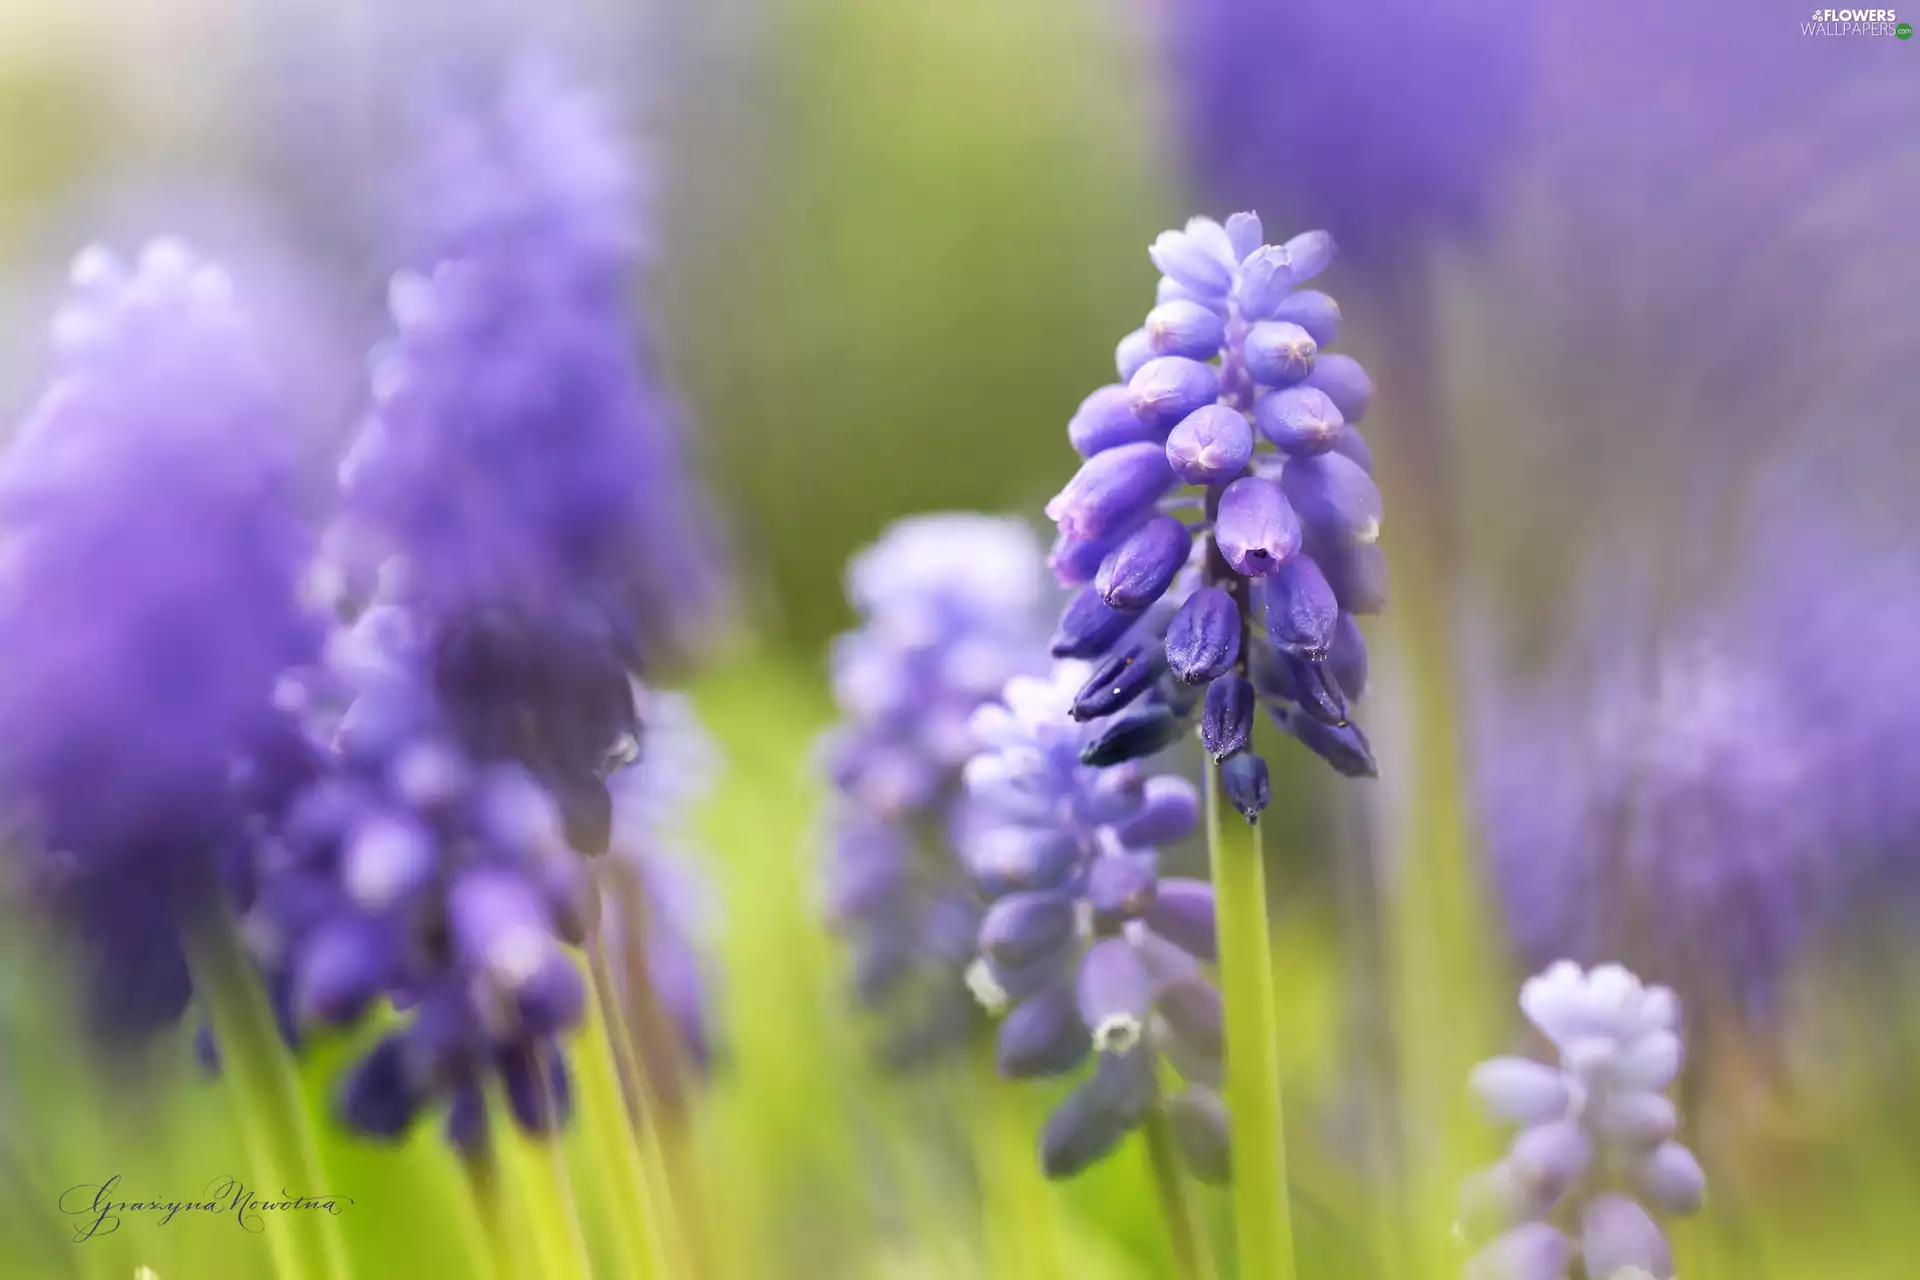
pixel 1596 1148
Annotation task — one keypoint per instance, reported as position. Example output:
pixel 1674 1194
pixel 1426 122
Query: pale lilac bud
pixel 1551 1157
pixel 1265 278
pixel 1042 1036
pixel 1120 887
pixel 1279 354
pixel 1203 639
pixel 1336 499
pixel 1194 260
pixel 1017 859
pixel 1169 811
pixel 1185 328
pixel 1244 234
pixel 1105 420
pixel 1115 994
pixel 1133 351
pixel 1256 530
pixel 1345 383
pixel 1111 490
pixel 1168 388
pixel 1182 913
pixel 1670 1179
pixel 1634 1119
pixel 1619 1239
pixel 1309 253
pixel 1211 444
pixel 1301 421
pixel 1521 1090
pixel 1024 927
pixel 1313 311
pixel 1531 1251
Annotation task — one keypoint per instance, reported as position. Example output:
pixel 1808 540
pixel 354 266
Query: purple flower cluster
pixel 1596 1148
pixel 149 599
pixel 1227 389
pixel 1084 948
pixel 950 608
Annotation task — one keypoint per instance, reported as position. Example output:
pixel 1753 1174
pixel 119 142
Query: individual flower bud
pixel 379 1098
pixel 1024 927
pixel 1105 420
pixel 1199 1121
pixel 1520 1090
pixel 1142 568
pixel 1551 1157
pixel 1650 1062
pixel 1494 1199
pixel 1531 1251
pixel 1357 572
pixel 1169 811
pixel 1182 913
pixel 1301 611
pixel 1348 657
pixel 1278 354
pixel 1348 442
pixel 1203 639
pixel 1111 491
pixel 538 1091
pixel 1211 444
pixel 1119 680
pixel 1186 328
pixel 1345 748
pixel 1670 1179
pixel 1194 259
pixel 1168 388
pixel 1308 254
pixel 339 971
pixel 1226 719
pixel 1313 311
pixel 1017 859
pixel 1090 1122
pixel 1265 277
pixel 1132 737
pixel 1345 383
pixel 1244 234
pixel 1167 289
pixel 386 860
pixel 1310 684
pixel 1192 1011
pixel 1120 887
pixel 1256 530
pixel 1244 779
pixel 1336 500
pixel 1133 351
pixel 1618 1238
pixel 1634 1119
pixel 1116 995
pixel 1089 626
pixel 1301 421
pixel 1042 1036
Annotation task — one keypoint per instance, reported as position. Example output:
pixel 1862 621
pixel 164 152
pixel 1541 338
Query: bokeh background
pixel 1637 282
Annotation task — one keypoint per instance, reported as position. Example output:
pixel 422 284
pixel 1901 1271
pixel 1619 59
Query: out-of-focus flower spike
pixel 1183 914
pixel 1531 1251
pixel 1347 658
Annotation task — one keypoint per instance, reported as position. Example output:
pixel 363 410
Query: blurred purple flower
pixel 149 599
pixel 950 608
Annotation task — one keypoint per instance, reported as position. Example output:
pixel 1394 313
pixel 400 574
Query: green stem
pixel 1186 1229
pixel 535 1173
pixel 1019 1204
pixel 636 1208
pixel 266 1095
pixel 1263 1221
pixel 483 1184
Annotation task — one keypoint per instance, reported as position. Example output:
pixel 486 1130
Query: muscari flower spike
pixel 1596 1157
pixel 1085 950
pixel 149 598
pixel 949 606
pixel 1225 474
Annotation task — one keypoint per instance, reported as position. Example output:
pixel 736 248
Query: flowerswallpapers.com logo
pixel 1856 22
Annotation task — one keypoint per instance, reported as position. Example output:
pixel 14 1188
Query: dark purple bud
pixel 1191 1009
pixel 1015 859
pixel 1313 311
pixel 1348 658
pixel 1042 1036
pixel 1312 685
pixel 378 1099
pixel 1115 994
pixel 1350 443
pixel 1120 680
pixel 1244 778
pixel 1255 529
pixel 1345 748
pixel 553 998
pixel 1194 1067
pixel 573 901
pixel 1104 421
pixel 1169 812
pixel 1074 561
pixel 1212 444
pixel 1186 328
pixel 1301 421
pixel 1182 913
pixel 1357 572
pixel 1081 1131
pixel 1302 612
pixel 1169 388
pixel 1089 627
pixel 1120 887
pixel 1308 254
pixel 1336 499
pixel 1203 640
pixel 1111 491
pixel 538 1091
pixel 1132 737
pixel 339 971
pixel 1265 277
pixel 1014 983
pixel 206 1050
pixel 1279 354
pixel 868 872
pixel 1142 568
pixel 1226 720
pixel 1024 927
pixel 1199 1121
pixel 1345 383
pixel 467 1119
pixel 586 809
pixel 1134 350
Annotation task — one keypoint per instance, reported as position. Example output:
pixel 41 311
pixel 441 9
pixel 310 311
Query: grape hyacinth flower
pixel 949 604
pixel 1595 1158
pixel 149 599
pixel 1085 951
pixel 1229 389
